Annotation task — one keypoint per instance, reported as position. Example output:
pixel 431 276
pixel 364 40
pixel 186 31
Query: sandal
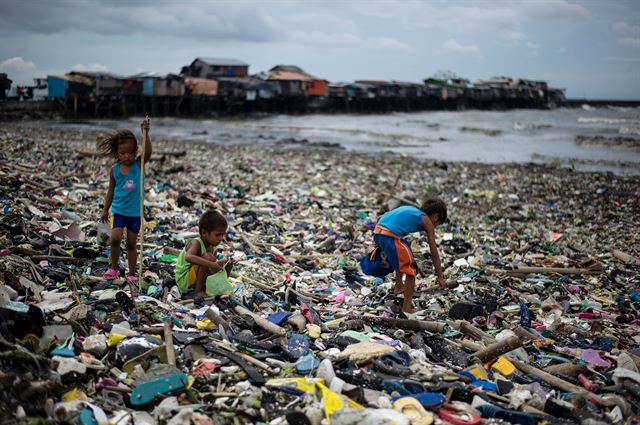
pixel 110 274
pixel 131 279
pixel 457 417
pixel 404 387
pixel 413 410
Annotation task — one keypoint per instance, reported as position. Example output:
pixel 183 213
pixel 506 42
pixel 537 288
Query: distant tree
pixel 446 75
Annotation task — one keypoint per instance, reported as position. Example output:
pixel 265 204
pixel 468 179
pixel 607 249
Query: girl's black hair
pixel 108 145
pixel 433 205
pixel 210 220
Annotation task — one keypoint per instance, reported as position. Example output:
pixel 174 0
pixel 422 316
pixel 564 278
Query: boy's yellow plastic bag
pixel 218 284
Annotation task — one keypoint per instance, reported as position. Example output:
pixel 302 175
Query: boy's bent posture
pixel 389 233
pixel 198 258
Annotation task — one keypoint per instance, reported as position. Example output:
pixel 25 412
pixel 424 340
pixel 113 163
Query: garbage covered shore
pixel 540 324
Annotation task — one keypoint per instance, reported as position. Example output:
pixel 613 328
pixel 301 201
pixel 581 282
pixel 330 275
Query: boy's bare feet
pixel 200 295
pixel 408 308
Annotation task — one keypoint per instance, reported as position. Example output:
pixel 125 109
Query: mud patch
pixel 630 143
pixel 486 131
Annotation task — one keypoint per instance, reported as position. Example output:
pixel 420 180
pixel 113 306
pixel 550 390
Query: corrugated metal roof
pixel 80 79
pixel 223 62
pixel 95 75
pixel 289 68
pixel 407 83
pixel 289 76
pixel 375 82
pixel 155 74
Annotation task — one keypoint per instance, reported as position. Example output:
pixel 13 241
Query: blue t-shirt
pixel 126 195
pixel 403 220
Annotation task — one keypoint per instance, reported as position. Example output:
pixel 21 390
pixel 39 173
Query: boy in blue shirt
pixel 393 226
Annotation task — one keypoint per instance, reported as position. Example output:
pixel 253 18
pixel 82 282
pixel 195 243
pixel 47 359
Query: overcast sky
pixel 592 48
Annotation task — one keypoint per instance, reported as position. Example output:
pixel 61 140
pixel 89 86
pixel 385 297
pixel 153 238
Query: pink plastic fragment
pixel 340 297
pixel 592 357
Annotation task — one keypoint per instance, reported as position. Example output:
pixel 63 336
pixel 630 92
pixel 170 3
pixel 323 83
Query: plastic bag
pixel 218 284
pixel 103 233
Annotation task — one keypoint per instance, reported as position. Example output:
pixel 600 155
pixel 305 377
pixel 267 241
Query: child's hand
pixel 226 260
pixel 104 217
pixel 146 124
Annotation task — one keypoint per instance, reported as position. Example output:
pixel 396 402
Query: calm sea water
pixel 610 137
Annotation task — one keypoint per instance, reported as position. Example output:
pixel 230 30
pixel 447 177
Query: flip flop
pixel 404 387
pixel 147 391
pixel 413 410
pixel 110 274
pixel 65 349
pixel 131 279
pixel 457 417
pixel 429 400
pixel 513 416
pixel 393 364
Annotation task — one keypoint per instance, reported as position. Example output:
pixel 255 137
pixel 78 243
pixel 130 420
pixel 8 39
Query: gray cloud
pixel 556 10
pixel 237 21
pixel 336 40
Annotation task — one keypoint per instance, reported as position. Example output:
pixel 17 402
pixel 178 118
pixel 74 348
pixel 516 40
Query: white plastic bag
pixel 104 233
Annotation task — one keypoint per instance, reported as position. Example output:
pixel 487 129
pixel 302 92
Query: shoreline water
pixel 598 140
pixel 76 142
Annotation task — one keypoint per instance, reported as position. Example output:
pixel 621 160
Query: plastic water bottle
pixel 70 215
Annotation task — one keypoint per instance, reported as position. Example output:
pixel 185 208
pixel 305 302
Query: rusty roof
pixel 290 76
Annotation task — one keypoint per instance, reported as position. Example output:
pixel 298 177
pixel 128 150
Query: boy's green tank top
pixel 183 266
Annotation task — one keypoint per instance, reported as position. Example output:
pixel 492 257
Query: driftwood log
pixel 262 322
pixel 410 325
pixel 496 349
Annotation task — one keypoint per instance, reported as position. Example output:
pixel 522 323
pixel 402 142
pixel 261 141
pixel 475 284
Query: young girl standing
pixel 123 195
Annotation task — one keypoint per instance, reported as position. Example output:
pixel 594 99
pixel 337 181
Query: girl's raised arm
pixel 146 125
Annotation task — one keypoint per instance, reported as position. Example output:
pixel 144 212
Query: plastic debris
pixel 539 323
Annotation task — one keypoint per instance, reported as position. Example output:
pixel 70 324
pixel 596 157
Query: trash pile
pixel 540 323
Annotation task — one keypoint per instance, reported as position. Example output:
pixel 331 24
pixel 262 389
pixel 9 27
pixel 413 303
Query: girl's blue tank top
pixel 126 195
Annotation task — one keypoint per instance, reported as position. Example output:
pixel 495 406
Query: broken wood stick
pixel 170 250
pixel 406 324
pixel 624 257
pixel 251 281
pixel 567 369
pixel 548 378
pixel 212 315
pixel 168 342
pixel 470 345
pixel 57 258
pixel 248 242
pixel 609 400
pixel 25 251
pixel 497 349
pixel 399 198
pixel 449 284
pixel 225 345
pixel 524 334
pixel 261 321
pixel 469 330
